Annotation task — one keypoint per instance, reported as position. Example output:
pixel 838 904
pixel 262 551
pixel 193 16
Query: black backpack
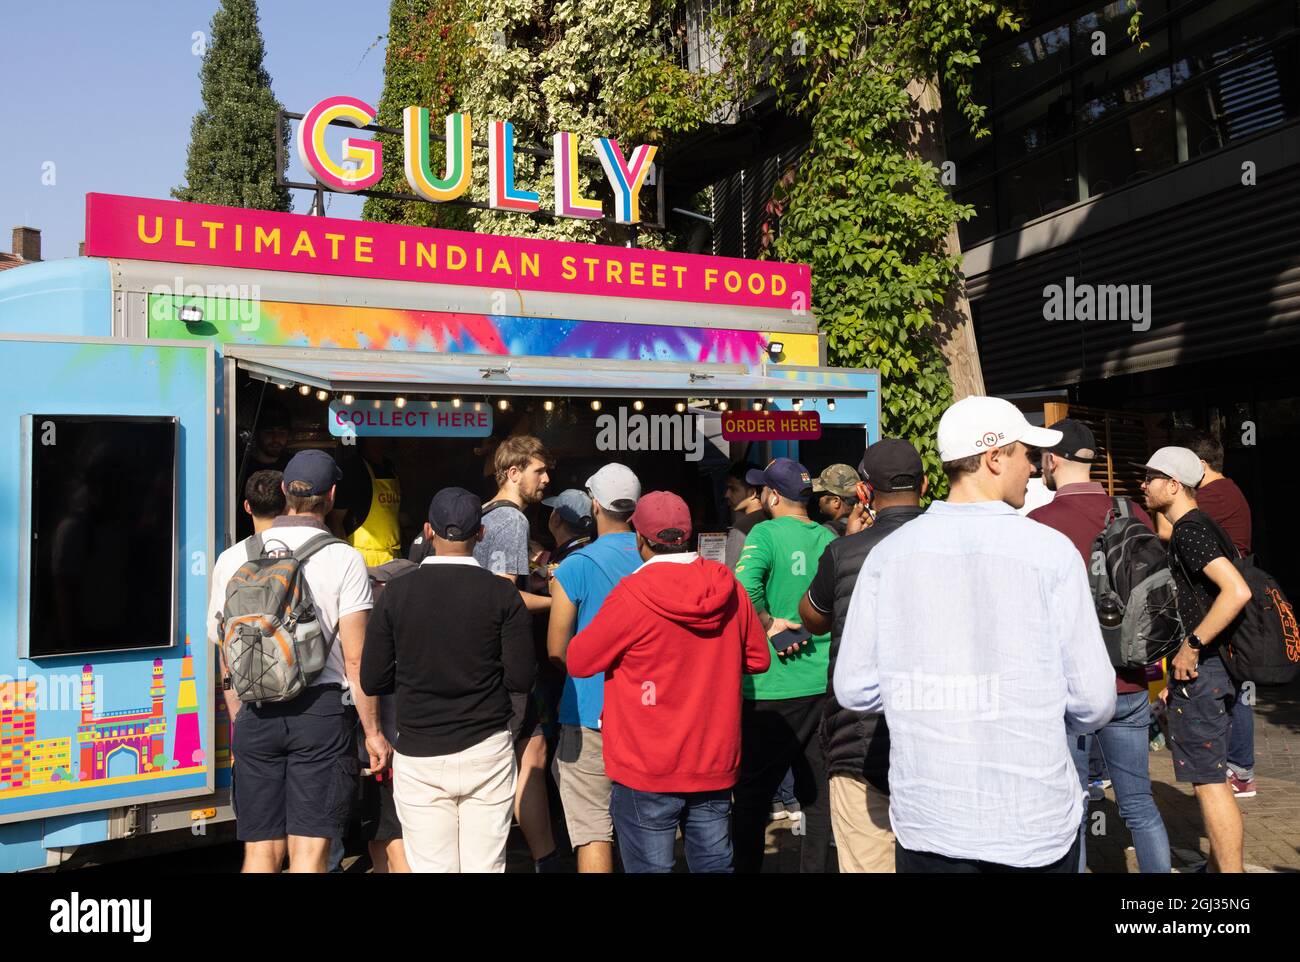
pixel 1263 644
pixel 1133 590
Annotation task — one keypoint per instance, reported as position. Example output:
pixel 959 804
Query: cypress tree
pixel 232 140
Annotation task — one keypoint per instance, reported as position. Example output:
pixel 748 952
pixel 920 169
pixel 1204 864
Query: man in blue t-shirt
pixel 578 590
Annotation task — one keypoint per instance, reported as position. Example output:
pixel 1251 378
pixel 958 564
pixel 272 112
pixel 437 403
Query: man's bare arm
pixel 559 632
pixel 532 602
pixel 352 636
pixel 812 619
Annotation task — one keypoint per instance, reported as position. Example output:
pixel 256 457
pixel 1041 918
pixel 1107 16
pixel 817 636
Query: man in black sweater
pixel 856 745
pixel 455 643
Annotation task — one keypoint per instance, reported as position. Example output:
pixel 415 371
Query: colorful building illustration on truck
pixel 121 742
pixel 189 747
pixel 17 728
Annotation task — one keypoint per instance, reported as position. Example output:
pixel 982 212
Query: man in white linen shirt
pixel 972 629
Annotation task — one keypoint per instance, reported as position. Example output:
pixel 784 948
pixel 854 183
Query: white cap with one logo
pixel 977 424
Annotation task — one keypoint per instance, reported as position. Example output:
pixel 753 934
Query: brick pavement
pixel 1272 818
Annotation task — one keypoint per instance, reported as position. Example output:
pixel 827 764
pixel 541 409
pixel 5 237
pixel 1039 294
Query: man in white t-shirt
pixel 296 764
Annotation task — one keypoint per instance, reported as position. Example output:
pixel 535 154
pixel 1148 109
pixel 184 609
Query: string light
pixel 322 395
pixel 722 405
pixel 400 401
pixel 376 403
pixel 595 405
pixel 638 405
pixel 798 404
pixel 455 402
pixel 548 405
pixel 758 405
pixel 681 406
pixel 284 387
pixel 304 389
pixel 503 404
pixel 434 405
pixel 348 399
pixel 830 403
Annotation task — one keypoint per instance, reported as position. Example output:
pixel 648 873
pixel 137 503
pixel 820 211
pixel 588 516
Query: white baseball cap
pixel 615 487
pixel 976 424
pixel 1180 464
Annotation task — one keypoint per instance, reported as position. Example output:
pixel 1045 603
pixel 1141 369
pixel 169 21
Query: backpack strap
pixel 315 544
pixel 502 503
pixel 1123 508
pixel 254 547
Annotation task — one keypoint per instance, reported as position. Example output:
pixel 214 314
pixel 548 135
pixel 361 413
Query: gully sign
pixel 626 176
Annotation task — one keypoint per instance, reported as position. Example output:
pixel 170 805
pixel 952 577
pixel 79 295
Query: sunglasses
pixel 1155 476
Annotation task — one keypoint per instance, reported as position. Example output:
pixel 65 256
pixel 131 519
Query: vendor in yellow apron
pixel 378 537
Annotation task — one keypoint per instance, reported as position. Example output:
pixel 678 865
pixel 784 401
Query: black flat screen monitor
pixel 102 527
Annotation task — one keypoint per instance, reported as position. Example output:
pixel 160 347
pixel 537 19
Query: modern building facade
pixel 1137 238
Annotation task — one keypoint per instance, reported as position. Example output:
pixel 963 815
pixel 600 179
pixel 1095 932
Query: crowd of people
pixel 928 684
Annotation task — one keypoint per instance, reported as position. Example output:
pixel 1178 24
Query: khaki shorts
pixel 579 769
pixel 864 840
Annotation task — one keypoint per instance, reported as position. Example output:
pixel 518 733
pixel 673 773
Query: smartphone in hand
pixel 784 640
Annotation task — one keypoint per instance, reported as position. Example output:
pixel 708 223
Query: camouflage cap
pixel 837 479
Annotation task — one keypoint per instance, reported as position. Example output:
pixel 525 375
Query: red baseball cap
pixel 662 517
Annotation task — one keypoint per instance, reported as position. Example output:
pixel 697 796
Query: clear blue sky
pixel 107 89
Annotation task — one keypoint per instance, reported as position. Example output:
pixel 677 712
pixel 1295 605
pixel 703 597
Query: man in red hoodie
pixel 673 639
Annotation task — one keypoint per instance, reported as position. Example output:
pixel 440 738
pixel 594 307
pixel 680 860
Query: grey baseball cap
pixel 1179 463
pixel 615 486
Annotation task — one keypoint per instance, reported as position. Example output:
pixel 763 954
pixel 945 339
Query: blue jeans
pixel 1241 740
pixel 1125 749
pixel 646 825
pixel 785 794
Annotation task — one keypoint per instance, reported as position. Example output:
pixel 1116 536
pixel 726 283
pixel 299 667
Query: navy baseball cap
pixel 573 505
pixel 312 467
pixel 455 514
pixel 788 478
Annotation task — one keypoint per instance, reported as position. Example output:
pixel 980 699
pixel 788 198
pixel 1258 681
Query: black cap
pixel 892 464
pixel 1075 437
pixel 312 467
pixel 455 514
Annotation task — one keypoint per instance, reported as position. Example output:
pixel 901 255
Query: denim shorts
pixel 295 767
pixel 1200 718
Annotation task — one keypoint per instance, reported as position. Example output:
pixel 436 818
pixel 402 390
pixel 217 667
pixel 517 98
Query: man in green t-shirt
pixel 783 706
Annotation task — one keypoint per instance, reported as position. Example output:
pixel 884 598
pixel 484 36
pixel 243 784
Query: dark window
pixel 1128 150
pixel 1037 188
pixel 984 224
pixel 1030 62
pixel 1033 125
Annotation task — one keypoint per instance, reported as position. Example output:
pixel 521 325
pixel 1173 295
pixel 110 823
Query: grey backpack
pixel 1133 590
pixel 270 636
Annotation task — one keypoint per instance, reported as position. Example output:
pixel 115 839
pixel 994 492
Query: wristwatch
pixel 1194 642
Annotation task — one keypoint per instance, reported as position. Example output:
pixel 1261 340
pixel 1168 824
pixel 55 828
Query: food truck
pixel 137 379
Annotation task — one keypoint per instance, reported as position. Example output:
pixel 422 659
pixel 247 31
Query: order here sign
pixel 771 426
pixel 418 419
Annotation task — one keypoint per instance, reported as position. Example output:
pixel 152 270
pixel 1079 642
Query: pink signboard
pixel 176 232
pixel 771 426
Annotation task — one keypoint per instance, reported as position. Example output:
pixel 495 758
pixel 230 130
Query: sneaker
pixel 1242 789
pixel 778 812
pixel 1097 788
